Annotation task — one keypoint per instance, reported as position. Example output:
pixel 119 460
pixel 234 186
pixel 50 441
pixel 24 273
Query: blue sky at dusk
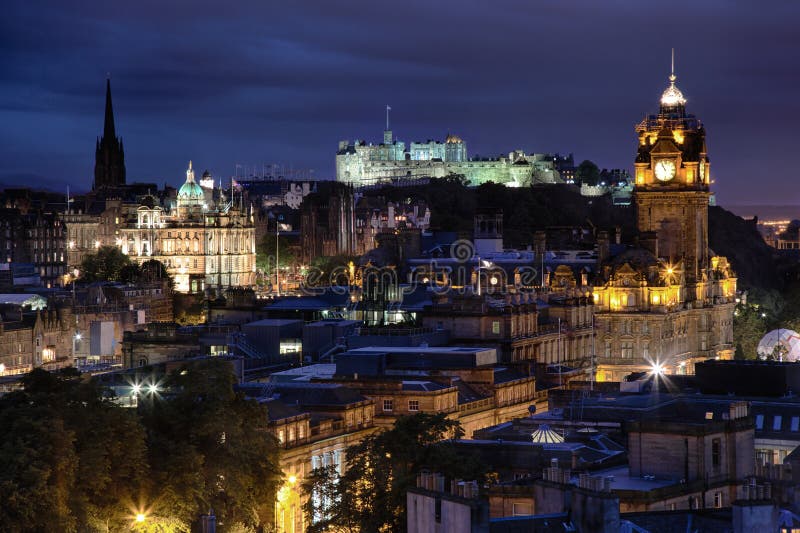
pixel 260 82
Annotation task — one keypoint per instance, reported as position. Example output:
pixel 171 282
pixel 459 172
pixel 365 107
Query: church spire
pixel 109 161
pixel 108 128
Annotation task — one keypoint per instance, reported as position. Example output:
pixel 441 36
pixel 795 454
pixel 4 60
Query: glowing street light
pixel 140 517
pixel 657 369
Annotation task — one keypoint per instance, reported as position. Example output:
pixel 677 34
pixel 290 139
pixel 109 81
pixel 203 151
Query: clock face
pixel 665 170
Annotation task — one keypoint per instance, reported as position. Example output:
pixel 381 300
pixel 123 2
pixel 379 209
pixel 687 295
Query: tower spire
pixel 109 159
pixel 108 127
pixel 672 76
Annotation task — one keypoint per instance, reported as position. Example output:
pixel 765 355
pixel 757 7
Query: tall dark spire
pixel 109 160
pixel 108 129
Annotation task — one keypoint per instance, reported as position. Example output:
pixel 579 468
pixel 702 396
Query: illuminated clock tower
pixel 671 193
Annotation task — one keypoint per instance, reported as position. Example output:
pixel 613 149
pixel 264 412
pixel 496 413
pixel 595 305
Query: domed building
pixel 203 243
pixel 190 196
pixel 667 302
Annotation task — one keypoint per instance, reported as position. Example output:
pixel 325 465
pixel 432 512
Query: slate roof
pixel 318 394
pixel 423 386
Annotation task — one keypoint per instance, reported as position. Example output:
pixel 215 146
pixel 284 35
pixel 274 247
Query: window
pixel 413 405
pixel 715 453
pixel 795 423
pixel 521 509
pixel 496 327
pixel 645 349
pixel 717 500
pixel 627 350
pixel 759 421
pixel 776 423
pixel 388 405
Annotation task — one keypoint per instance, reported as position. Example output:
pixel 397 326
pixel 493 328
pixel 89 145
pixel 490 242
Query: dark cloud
pixel 252 81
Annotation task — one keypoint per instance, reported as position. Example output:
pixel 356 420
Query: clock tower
pixel 671 184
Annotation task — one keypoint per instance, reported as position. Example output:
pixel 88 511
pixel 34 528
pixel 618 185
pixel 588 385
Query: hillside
pixel 526 210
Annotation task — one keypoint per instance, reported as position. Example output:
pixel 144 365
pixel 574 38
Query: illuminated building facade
pixel 202 242
pixel 667 303
pixel 360 163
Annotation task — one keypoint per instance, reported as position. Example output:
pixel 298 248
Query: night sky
pixel 283 81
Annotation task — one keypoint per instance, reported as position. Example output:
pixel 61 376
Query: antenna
pixel 387 116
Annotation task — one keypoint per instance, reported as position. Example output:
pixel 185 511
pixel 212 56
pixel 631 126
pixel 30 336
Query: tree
pixel 209 448
pixel 154 270
pixel 265 253
pixel 330 270
pixel 588 173
pixel 371 494
pixel 107 264
pixel 61 434
pixel 38 472
pixel 749 327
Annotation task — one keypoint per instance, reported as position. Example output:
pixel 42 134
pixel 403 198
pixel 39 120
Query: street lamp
pixel 657 369
pixel 75 339
pixel 277 252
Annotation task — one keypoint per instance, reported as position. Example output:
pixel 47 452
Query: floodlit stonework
pixel 667 303
pixel 362 163
pixel 203 243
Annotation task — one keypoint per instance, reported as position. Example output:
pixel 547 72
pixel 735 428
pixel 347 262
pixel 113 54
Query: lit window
pixel 413 405
pixel 776 423
pixel 521 509
pixel 627 350
pixel 795 423
pixel 388 405
pixel 496 327
pixel 759 421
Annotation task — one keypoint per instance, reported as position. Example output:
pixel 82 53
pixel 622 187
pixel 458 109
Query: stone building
pixel 562 334
pixel 82 231
pixel 35 236
pixel 327 222
pixel 313 425
pixel 668 302
pixel 359 163
pixel 202 245
pixel 466 383
pixel 33 337
pixel 376 219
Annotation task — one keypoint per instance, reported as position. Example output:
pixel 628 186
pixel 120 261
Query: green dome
pixel 190 192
